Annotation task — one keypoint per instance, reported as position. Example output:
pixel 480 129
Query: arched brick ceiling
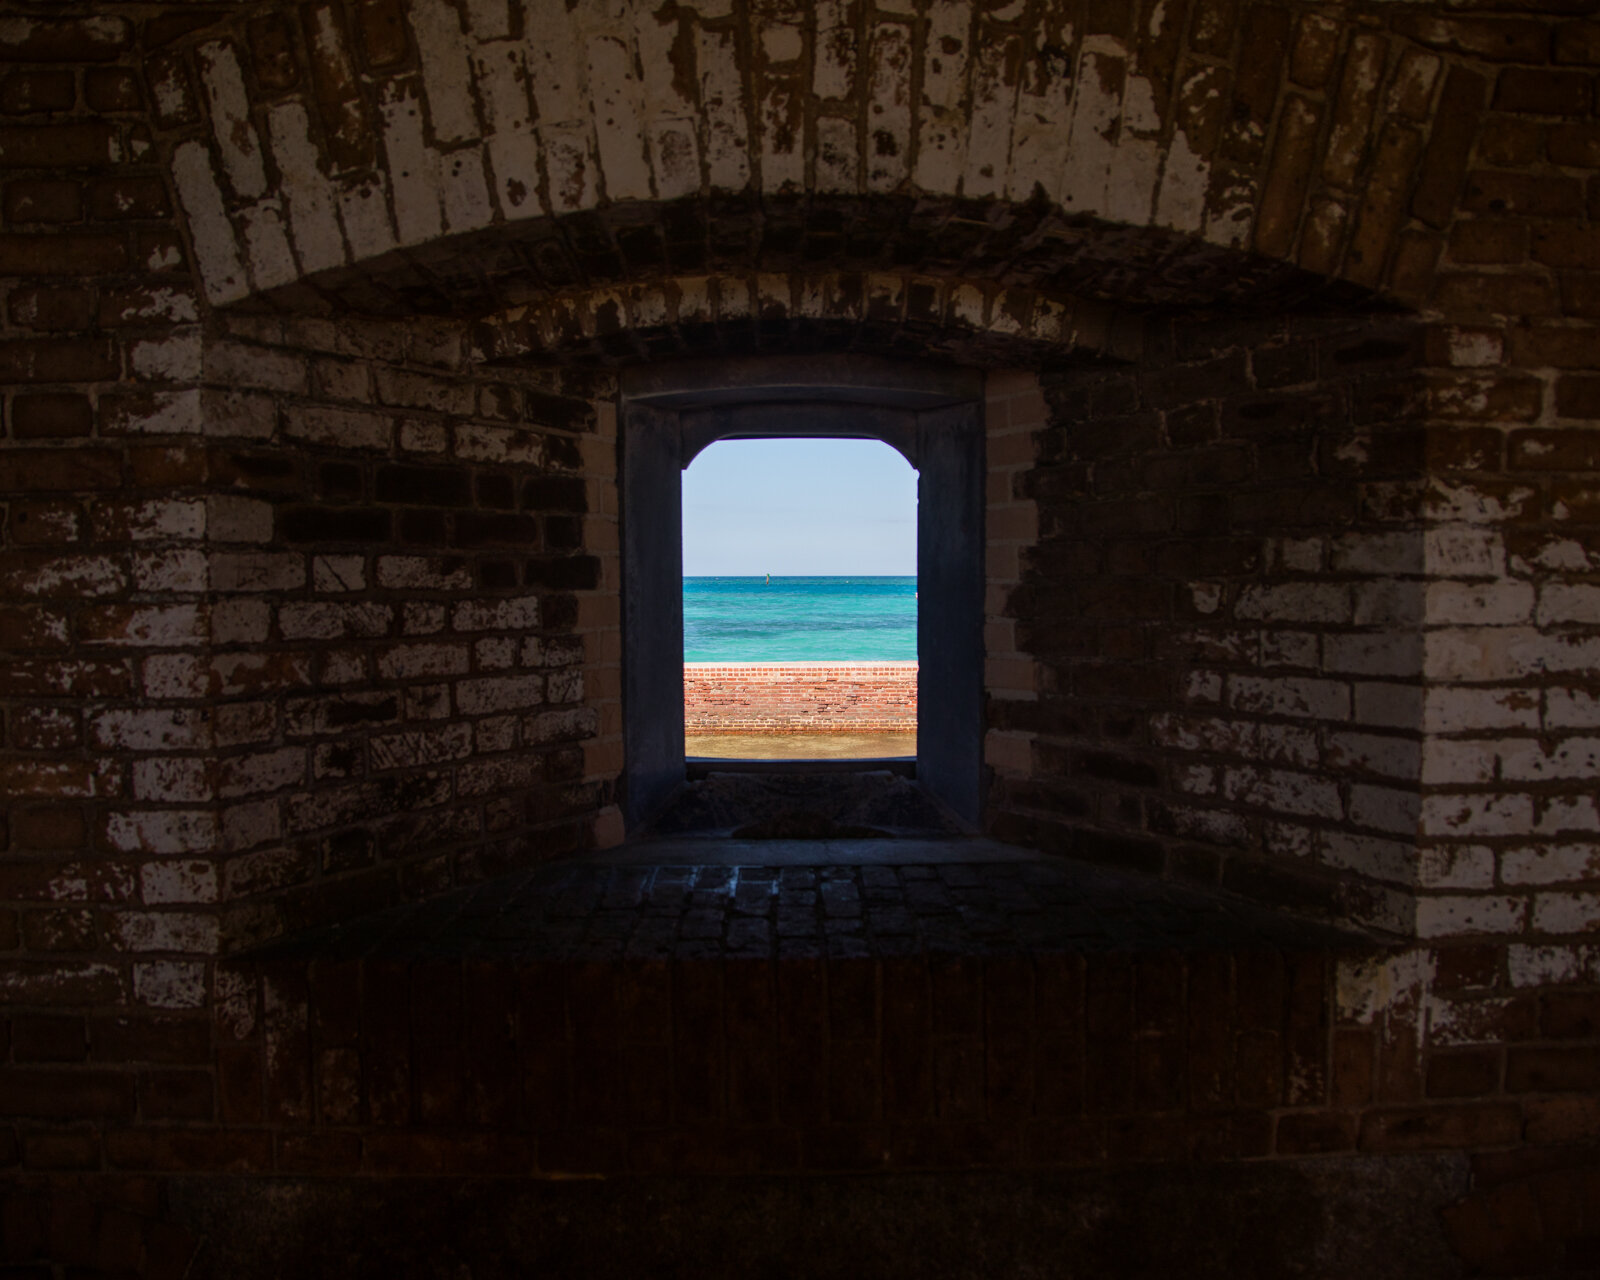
pixel 434 155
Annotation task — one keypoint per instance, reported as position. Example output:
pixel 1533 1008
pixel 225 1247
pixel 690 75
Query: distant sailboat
pixel 769 580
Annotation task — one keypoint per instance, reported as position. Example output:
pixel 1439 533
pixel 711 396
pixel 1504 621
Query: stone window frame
pixel 933 415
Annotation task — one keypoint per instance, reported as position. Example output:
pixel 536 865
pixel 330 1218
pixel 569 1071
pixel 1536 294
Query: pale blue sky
pixel 799 508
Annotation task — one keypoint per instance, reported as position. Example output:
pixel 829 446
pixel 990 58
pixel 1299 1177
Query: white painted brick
pixel 555 62
pixel 159 627
pixel 235 135
pixel 177 518
pixel 413 165
pixel 221 270
pixel 265 771
pixel 1550 864
pixel 258 571
pixel 164 931
pixel 1455 916
pixel 178 356
pixel 1285 744
pixel 265 235
pixel 835 57
pixel 364 214
pixel 326 620
pixel 1482 653
pixel 1290 696
pixel 415 661
pixel 488 19
pixel 244 621
pixel 334 575
pixel 1458 762
pixel 175 675
pixel 1385 809
pixel 422 618
pixel 1566 708
pixel 942 133
pixel 1556 814
pixel 342 428
pixel 1464 551
pixel 1374 753
pixel 1566 912
pixel 1295 602
pixel 499 693
pixel 1388 604
pixel 619 137
pixel 1372 655
pixel 1186 179
pixel 553 726
pixel 151 729
pixel 248 826
pixel 722 97
pixel 513 143
pixel 1529 760
pixel 1477 815
pixel 171 780
pixel 1562 653
pixel 171 569
pixel 464 187
pixel 424 573
pixel 234 519
pixel 1494 604
pixel 446 72
pixel 889 107
pixel 242 723
pixel 1458 709
pixel 67 576
pixel 423 437
pixel 1283 791
pixel 162 831
pixel 572 167
pixel 427 701
pixel 177 880
pixel 238 414
pixel 1568 602
pixel 1542 965
pixel 564 686
pixel 170 984
pixel 161 413
pixel 1392 860
pixel 310 200
pixel 1379 553
pixel 497 733
pixel 1448 866
pixel 1448 502
pixel 1288 649
pixel 239 364
pixel 1557 553
pixel 495 653
pixel 421 746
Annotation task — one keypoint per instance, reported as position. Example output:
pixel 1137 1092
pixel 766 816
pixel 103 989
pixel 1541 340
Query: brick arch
pixel 977 323
pixel 310 139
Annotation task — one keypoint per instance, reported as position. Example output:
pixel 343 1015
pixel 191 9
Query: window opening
pixel 800 601
pixel 932 415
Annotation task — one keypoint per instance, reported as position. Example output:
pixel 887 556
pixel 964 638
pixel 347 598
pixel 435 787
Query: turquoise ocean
pixel 799 619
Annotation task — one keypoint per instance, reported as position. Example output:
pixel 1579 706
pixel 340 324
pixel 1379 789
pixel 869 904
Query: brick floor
pixel 777 899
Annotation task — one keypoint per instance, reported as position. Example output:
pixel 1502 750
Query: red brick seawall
pixel 809 697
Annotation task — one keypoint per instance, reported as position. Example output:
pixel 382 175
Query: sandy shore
pixel 801 746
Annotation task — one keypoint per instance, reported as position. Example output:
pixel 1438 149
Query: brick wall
pixel 1222 616
pixel 800 697
pixel 1302 604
